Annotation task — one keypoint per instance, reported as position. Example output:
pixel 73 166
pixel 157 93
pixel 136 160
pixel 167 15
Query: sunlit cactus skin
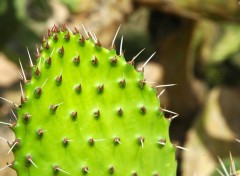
pixel 86 111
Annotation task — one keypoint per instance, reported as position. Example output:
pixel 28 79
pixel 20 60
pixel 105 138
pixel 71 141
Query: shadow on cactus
pixel 86 111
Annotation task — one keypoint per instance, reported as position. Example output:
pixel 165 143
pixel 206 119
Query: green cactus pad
pixel 86 111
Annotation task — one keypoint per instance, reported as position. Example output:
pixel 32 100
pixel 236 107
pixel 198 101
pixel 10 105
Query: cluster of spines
pixel 78 88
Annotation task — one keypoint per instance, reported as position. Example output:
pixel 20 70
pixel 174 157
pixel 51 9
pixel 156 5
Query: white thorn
pixel 92 36
pixel 9 101
pixel 37 49
pixel 174 113
pixel 115 36
pixel 85 31
pixel 173 117
pixel 121 44
pixel 4 139
pixel 22 90
pixel 30 59
pixel 86 170
pixel 137 55
pixel 5 123
pixel 14 144
pixel 20 76
pixel 223 166
pixel 147 61
pixel 24 76
pixel 182 148
pixel 69 30
pixel 95 37
pixel 168 111
pixel 99 140
pixel 149 82
pixel 162 142
pixel 52 52
pixel 14 115
pixel 44 83
pixel 220 172
pixel 142 143
pixel 63 171
pixel 165 85
pixel 161 93
pixel 118 141
pixel 33 163
pixel 9 165
pixel 232 166
pixel 237 140
pixel 59 104
pixel 39 64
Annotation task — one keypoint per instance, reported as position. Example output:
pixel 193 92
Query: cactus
pixel 86 111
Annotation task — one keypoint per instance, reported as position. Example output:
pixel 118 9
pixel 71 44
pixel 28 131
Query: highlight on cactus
pixel 86 111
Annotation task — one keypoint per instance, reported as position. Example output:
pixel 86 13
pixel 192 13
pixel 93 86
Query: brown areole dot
pixel 142 83
pixel 141 140
pixel 55 37
pixel 40 132
pixel 49 33
pixel 100 88
pixel 56 168
pixel 113 60
pixel 65 141
pixel 74 115
pixel 143 109
pixel 53 108
pixel 94 60
pixel 38 91
pixel 61 51
pixel 134 173
pixel 98 44
pixel 67 36
pixel 96 114
pixel 76 31
pixel 122 83
pixel 26 116
pixel 48 61
pixel 120 112
pixel 91 141
pixel 47 46
pixel 85 169
pixel 117 140
pixel 111 170
pixel 59 80
pixel 63 28
pixel 82 40
pixel 37 72
pixel 76 60
pixel 78 88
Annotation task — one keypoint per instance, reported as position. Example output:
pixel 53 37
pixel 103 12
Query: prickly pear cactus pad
pixel 86 111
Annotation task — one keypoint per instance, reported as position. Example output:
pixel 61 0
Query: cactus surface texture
pixel 86 111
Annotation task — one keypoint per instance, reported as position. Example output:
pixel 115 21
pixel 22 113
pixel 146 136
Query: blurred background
pixel 198 48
